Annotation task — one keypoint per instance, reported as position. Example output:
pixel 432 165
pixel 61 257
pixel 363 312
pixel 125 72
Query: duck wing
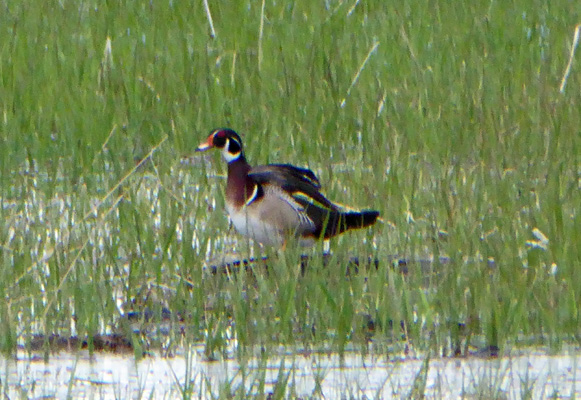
pixel 291 179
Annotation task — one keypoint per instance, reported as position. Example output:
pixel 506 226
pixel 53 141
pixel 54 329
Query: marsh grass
pixel 447 119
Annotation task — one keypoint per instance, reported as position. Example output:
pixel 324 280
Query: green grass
pixel 448 119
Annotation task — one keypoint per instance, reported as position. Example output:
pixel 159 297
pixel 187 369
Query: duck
pixel 272 204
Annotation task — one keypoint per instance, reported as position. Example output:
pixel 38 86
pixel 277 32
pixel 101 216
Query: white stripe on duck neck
pixel 227 156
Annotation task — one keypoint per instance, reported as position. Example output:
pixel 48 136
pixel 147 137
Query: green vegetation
pixel 446 117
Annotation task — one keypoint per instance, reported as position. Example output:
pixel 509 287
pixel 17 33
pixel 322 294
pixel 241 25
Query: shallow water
pixel 108 376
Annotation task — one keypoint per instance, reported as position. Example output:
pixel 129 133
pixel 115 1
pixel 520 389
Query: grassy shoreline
pixel 448 119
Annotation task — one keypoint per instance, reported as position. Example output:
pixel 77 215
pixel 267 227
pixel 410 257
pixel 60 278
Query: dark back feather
pixel 333 222
pixel 292 180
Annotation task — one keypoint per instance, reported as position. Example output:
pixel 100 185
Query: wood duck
pixel 269 203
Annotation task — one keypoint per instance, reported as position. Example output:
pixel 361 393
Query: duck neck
pixel 238 186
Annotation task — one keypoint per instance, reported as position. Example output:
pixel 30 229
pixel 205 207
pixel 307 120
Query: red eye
pixel 219 140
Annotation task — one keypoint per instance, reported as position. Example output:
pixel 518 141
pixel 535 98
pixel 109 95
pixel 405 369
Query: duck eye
pixel 219 141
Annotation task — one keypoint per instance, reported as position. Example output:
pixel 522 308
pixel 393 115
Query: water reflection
pixel 523 373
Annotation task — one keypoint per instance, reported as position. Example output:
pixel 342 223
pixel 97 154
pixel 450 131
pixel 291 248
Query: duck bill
pixel 205 145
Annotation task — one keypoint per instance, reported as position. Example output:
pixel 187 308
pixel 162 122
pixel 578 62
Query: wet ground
pixel 530 373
